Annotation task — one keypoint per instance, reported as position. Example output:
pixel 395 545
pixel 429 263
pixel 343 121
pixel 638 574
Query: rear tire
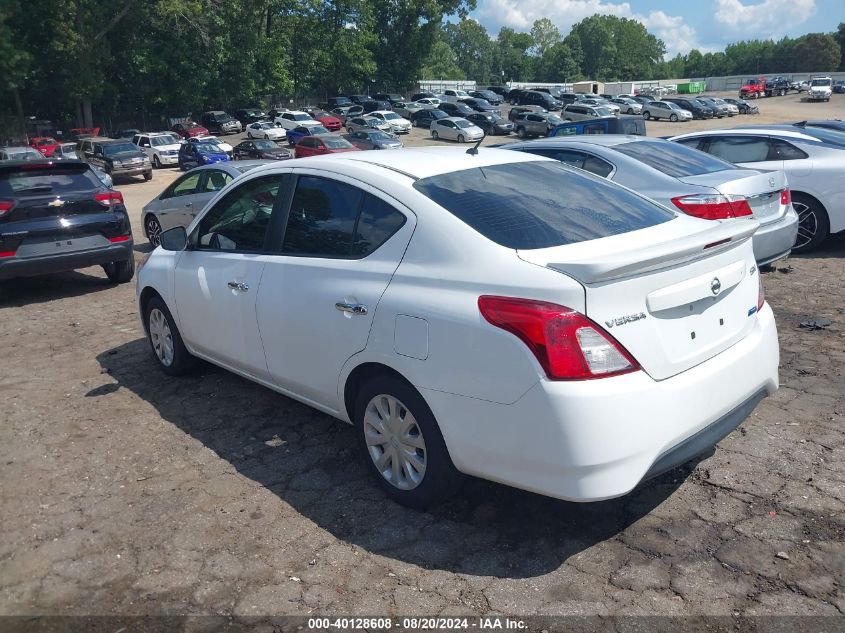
pixel 120 272
pixel 395 423
pixel 813 223
pixel 170 352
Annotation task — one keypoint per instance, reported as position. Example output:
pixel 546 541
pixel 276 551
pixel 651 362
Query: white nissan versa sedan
pixel 496 314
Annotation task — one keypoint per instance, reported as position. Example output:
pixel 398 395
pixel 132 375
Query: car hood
pixel 127 155
pixel 388 144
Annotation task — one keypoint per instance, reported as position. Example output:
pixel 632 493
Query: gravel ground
pixel 125 492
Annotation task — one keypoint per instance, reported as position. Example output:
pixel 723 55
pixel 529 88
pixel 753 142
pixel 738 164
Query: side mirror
pixel 175 239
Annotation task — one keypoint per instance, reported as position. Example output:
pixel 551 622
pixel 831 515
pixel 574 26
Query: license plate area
pixel 43 247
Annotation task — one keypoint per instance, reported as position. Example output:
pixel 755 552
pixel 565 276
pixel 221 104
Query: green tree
pixel 817 51
pixel 840 37
pixel 544 35
pixel 405 32
pixel 441 63
pixel 473 49
pixel 514 63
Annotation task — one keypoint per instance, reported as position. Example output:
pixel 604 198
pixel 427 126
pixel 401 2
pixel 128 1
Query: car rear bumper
pixel 11 267
pixel 598 439
pixel 773 241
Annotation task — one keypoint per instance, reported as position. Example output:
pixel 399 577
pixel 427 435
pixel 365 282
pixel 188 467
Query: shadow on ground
pixel 312 463
pixel 45 288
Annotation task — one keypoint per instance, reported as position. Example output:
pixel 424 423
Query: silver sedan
pixel 689 181
pixel 187 195
pixel 456 129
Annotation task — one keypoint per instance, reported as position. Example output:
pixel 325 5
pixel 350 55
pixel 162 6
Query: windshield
pixel 221 117
pixel 342 101
pixel 208 148
pixel 834 137
pixel 158 141
pixel 820 82
pixel 604 111
pixel 266 145
pixel 268 126
pixel 391 116
pixel 519 205
pixel 334 142
pixel 673 159
pixel 118 148
pixel 45 141
pixel 316 129
pixel 32 154
pixel 463 123
pixel 379 136
pixel 554 119
pixel 301 117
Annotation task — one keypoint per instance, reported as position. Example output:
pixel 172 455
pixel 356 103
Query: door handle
pixel 351 308
pixel 238 285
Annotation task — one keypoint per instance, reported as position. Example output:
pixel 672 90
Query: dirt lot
pixel 125 492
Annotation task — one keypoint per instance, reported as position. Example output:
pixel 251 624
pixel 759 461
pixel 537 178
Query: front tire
pixel 520 132
pixel 673 118
pixel 435 135
pixel 152 228
pixel 461 138
pixel 647 115
pixel 403 445
pixel 156 162
pixel 120 272
pixel 813 223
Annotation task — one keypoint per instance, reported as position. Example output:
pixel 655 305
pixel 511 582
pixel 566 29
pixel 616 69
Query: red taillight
pixel 119 238
pixel 568 345
pixel 109 198
pixel 761 294
pixel 7 253
pixel 713 206
pixel 785 197
pixel 5 207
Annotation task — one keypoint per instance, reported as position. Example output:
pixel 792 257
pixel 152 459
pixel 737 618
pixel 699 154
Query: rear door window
pixel 540 204
pixel 673 159
pixel 740 149
pixel 781 150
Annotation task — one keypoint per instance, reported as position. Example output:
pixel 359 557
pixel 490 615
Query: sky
pixel 707 25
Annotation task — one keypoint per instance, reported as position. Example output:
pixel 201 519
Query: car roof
pixel 18 147
pixel 755 131
pixel 604 140
pixel 383 112
pixel 422 162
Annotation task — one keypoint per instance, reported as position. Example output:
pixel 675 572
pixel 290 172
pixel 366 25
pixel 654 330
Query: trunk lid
pixel 673 297
pixel 761 189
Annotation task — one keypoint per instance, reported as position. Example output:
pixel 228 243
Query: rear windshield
pixel 834 137
pixel 540 204
pixel 54 180
pixel 673 159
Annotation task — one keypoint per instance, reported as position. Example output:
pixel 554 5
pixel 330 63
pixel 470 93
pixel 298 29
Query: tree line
pixel 135 61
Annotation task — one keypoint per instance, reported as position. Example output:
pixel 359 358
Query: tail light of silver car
pixel 713 206
pixel 567 344
pixel 785 197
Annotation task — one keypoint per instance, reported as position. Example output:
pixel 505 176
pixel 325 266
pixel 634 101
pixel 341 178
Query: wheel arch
pixel 360 375
pixel 143 300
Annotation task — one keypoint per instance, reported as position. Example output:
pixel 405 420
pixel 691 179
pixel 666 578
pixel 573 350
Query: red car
pixel 44 144
pixel 322 145
pixel 189 129
pixel 329 121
